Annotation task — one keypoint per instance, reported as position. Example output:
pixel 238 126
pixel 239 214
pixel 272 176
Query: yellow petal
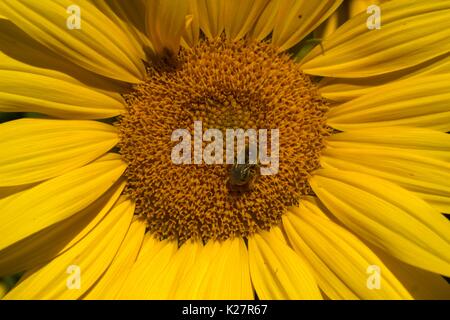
pixel 412 31
pixel 88 259
pixel 277 272
pixel 21 52
pixel 129 16
pixel 419 141
pixel 202 257
pixel 342 89
pixel 110 156
pixel 421 102
pixel 110 283
pixel 266 22
pixel 240 16
pixel 417 173
pixel 191 34
pixel 166 21
pixel 33 150
pixel 44 245
pixel 331 24
pixel 338 259
pixel 296 19
pixel 9 191
pixel 153 259
pixel 194 271
pixel 440 203
pixel 313 205
pixel 220 271
pixel 355 7
pixel 211 14
pixel 99 45
pixel 133 12
pixel 165 282
pixel 28 89
pixel 420 283
pixel 55 200
pixel 388 216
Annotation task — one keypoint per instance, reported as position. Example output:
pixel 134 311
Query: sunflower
pixel 91 206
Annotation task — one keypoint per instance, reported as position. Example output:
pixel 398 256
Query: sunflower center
pixel 225 85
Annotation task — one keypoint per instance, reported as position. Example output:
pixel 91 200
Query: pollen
pixel 226 85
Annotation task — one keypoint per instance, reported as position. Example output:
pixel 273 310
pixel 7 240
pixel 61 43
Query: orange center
pixel 225 85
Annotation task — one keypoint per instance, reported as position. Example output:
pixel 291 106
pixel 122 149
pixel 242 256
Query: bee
pixel 243 176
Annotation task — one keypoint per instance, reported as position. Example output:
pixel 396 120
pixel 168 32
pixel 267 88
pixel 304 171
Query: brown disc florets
pixel 226 85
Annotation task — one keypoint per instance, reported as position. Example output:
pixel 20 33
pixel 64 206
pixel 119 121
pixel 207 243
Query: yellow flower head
pixel 351 98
